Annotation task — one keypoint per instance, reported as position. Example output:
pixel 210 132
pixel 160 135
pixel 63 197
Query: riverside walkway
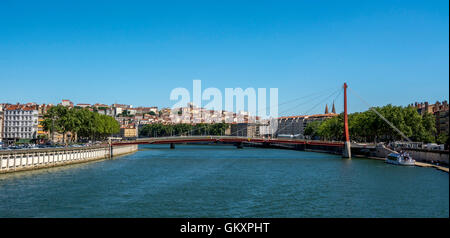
pixel 442 168
pixel 19 160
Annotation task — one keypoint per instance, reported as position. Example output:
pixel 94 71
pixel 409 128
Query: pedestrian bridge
pixel 227 139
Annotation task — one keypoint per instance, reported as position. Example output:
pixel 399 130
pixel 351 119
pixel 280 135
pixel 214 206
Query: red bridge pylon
pixel 346 153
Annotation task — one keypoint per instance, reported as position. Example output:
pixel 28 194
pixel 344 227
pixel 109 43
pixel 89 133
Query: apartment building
pixel 20 122
pixel 1 122
pixel 66 103
pixel 296 125
pixel 441 112
pixel 128 132
pixel 245 129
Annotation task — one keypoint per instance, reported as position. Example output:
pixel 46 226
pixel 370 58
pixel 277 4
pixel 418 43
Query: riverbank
pixel 24 160
pixel 420 164
pixel 380 151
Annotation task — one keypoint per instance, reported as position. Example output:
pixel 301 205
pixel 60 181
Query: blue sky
pixel 136 52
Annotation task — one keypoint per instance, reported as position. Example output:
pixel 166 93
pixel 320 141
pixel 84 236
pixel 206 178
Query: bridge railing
pixel 200 138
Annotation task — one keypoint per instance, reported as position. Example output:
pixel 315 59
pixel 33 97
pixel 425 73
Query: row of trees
pixel 81 123
pixel 369 127
pixel 155 130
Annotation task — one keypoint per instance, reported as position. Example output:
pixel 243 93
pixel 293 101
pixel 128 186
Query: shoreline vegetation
pixel 157 130
pixel 80 123
pixel 368 127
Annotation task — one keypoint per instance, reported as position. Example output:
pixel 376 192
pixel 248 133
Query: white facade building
pixel 20 122
pixel 1 122
pixel 67 103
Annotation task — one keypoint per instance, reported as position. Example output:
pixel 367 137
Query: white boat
pixel 400 159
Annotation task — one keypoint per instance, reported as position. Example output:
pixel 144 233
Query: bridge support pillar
pixel 347 152
pixel 172 145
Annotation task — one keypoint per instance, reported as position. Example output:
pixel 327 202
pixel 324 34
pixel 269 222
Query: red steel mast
pixel 347 150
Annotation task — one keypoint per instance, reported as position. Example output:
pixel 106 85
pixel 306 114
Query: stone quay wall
pixel 20 160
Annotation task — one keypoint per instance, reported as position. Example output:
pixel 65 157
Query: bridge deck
pixel 226 139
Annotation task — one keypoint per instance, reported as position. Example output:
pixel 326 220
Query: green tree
pixel 428 132
pixel 443 139
pixel 56 120
pixel 158 129
pixel 312 129
pixel 332 128
pixel 82 123
pixel 368 126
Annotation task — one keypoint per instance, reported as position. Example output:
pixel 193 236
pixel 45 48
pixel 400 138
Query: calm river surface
pixel 222 181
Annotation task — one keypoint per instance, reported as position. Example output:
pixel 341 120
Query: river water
pixel 222 181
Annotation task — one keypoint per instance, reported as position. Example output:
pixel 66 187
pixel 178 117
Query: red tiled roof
pixel 21 107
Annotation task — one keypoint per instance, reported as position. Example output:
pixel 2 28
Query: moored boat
pixel 400 159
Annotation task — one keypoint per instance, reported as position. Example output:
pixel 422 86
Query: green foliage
pixel 429 128
pixel 80 122
pixel 443 139
pixel 369 127
pixel 332 129
pixel 312 129
pixel 152 130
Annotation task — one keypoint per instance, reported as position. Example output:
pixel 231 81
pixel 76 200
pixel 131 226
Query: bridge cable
pixel 379 114
pixel 302 103
pixel 339 91
pixel 295 99
pixel 317 94
pixel 306 102
pixel 320 93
